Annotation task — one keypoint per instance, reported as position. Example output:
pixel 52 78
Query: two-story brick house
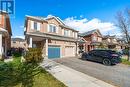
pixel 18 43
pixel 113 43
pixel 92 38
pixel 51 34
pixel 5 33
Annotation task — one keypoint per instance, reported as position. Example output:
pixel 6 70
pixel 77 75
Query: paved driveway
pixel 118 75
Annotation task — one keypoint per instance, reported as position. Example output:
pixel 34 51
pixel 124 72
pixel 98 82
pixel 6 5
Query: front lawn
pixel 17 74
pixel 124 61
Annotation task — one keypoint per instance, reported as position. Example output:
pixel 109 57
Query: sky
pixel 82 15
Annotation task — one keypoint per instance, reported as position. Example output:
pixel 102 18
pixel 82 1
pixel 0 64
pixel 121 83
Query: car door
pixel 92 55
pixel 97 56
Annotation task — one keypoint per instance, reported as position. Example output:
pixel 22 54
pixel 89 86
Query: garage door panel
pixel 69 51
pixel 53 52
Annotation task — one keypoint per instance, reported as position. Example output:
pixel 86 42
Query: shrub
pixel 125 51
pixel 34 55
pixel 17 54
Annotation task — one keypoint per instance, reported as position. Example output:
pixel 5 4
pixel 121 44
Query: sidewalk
pixel 71 77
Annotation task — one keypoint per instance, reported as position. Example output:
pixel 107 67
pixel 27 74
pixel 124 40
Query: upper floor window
pixel 52 28
pixel 76 35
pixel 108 40
pixel 35 25
pixel 94 38
pixel 99 39
pixel 66 32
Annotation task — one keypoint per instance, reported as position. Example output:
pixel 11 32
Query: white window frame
pixel 51 30
pixel 76 34
pixel 66 32
pixel 38 25
pixel 73 35
pixel 94 38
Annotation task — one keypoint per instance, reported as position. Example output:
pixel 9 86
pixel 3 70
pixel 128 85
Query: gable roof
pixel 90 32
pixel 56 18
pixel 46 19
pixel 108 36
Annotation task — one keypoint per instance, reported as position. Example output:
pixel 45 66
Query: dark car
pixel 107 57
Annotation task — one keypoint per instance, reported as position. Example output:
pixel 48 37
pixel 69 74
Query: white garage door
pixel 69 51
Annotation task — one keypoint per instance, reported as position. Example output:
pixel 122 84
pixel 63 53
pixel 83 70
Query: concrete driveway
pixel 118 75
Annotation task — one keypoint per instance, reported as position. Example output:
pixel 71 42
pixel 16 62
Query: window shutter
pixel 38 26
pixel 73 34
pixel 76 35
pixel 69 32
pixel 57 29
pixel 48 28
pixel 32 24
pixel 62 31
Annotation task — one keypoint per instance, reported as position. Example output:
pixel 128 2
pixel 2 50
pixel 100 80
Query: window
pixel 72 34
pixel 52 28
pixel 76 35
pixel 14 42
pixel 35 25
pixel 34 46
pixel 94 38
pixel 66 32
pixel 108 40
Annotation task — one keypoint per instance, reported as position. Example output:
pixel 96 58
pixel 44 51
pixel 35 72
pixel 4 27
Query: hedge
pixel 34 55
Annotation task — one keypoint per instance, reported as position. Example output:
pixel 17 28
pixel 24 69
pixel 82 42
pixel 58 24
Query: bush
pixel 17 54
pixel 125 51
pixel 34 55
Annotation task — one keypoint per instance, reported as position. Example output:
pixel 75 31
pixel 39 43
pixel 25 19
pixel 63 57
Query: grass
pixel 17 74
pixel 124 61
pixel 45 80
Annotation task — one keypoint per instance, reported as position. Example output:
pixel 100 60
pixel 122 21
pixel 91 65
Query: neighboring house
pixel 121 43
pixel 51 34
pixel 18 43
pixel 82 43
pixel 92 38
pixel 5 33
pixel 113 43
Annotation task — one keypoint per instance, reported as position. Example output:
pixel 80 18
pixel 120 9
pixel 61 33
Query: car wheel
pixel 106 62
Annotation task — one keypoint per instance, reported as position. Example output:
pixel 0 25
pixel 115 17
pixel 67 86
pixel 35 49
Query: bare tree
pixel 123 22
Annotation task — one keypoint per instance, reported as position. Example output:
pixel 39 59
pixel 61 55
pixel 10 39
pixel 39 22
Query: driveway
pixel 118 75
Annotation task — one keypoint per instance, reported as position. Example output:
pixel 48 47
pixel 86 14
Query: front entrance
pixel 53 52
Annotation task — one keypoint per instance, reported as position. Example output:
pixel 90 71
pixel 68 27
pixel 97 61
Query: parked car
pixel 107 57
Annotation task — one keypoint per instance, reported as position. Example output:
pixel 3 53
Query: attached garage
pixel 69 51
pixel 54 52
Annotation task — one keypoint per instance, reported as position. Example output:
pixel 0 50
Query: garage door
pixel 69 51
pixel 53 52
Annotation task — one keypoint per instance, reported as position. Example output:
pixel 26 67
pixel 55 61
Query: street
pixel 118 75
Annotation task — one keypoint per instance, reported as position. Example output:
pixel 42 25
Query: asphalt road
pixel 118 75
